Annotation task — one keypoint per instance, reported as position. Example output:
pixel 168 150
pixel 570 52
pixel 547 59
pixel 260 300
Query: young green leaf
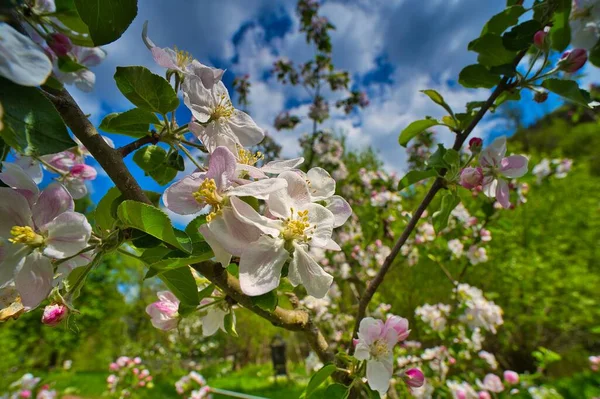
pixel 503 20
pixel 521 36
pixel 560 31
pixel 440 219
pixel 106 19
pixel 491 50
pixel 170 263
pixel 146 90
pixel 438 99
pixel 32 125
pixel 337 391
pixel 568 89
pixel 319 378
pixel 150 157
pixel 182 284
pixel 229 324
pixel 415 176
pixel 135 122
pixel 163 175
pixel 67 64
pixel 103 214
pixel 266 301
pixel 414 129
pixel 154 222
pixel 475 76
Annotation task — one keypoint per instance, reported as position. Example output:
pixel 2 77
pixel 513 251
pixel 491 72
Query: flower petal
pixel 34 280
pixel 340 208
pixel 198 99
pixel 314 278
pixel 489 186
pixel 23 61
pixel 379 374
pixel 370 329
pixel 259 189
pixel 321 220
pixel 261 264
pixel 361 351
pixel 246 214
pixel 15 177
pixel 179 196
pixel 14 211
pixel 503 193
pixel 214 319
pixel 245 129
pixel 76 187
pixel 12 257
pixel 221 167
pixel 54 200
pixel 67 234
pixel 514 166
pixel 208 76
pixel 31 167
pixel 277 167
pixel 322 184
pixel 221 255
pixel 493 154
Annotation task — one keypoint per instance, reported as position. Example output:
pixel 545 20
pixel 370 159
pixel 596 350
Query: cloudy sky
pixel 392 49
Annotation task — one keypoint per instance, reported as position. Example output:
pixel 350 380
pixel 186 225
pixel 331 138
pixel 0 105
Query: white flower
pixel 492 383
pixel 21 60
pixel 83 79
pixel 477 255
pixel 456 247
pixel 312 363
pixel 461 390
pixel 585 23
pixel 434 315
pixel 489 358
pixel 542 170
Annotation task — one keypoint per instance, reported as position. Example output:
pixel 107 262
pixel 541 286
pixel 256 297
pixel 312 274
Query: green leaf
pixel 150 157
pixel 415 176
pixel 106 19
pixel 440 220
pixel 475 76
pixel 491 50
pixel 103 214
pixel 521 36
pixel 66 12
pixel 176 161
pixel 438 99
pixel 142 240
pixel 170 263
pixel 154 222
pixel 266 301
pixel 206 292
pixel 135 122
pixel 506 70
pixel 560 32
pixel 337 391
pixel 32 126
pixel 67 64
pixel 594 55
pixel 229 323
pixel 319 378
pixel 414 129
pixel 503 20
pixel 153 255
pixel 507 96
pixel 568 89
pixel 163 175
pixel 436 160
pixel 182 284
pixel 146 90
pixel 193 228
pixel 451 157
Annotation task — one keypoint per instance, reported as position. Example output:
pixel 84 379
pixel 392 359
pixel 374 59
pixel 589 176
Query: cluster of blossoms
pixel 328 150
pixel 128 375
pixel 28 387
pixel 46 50
pixel 193 386
pixel 594 363
pixel 585 23
pixel 375 345
pixel 558 168
pixel 41 239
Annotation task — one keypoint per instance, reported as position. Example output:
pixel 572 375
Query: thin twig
pixel 127 149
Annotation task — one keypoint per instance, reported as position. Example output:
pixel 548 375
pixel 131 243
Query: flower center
pixel 247 158
pixel 25 235
pixel 223 110
pixel 207 194
pixel 296 226
pixel 183 58
pixel 379 348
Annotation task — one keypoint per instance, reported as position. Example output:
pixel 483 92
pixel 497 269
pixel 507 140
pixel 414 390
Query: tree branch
pixel 139 143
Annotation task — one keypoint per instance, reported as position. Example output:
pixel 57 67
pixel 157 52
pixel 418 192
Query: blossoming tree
pixel 264 229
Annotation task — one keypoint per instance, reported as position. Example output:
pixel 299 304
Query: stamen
pixel 295 228
pixel 223 110
pixel 247 158
pixel 207 194
pixel 183 58
pixel 25 235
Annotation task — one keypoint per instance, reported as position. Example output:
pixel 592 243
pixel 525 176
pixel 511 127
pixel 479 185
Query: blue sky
pixel 392 49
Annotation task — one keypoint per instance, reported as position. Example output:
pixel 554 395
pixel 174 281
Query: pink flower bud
pixel 59 43
pixel 471 177
pixel 475 144
pixel 398 324
pixel 540 40
pixel 484 395
pixel 511 377
pixel 111 379
pixel 572 61
pixel 113 367
pixel 26 393
pixel 540 96
pixel 54 314
pixel 83 172
pixel 355 342
pixel 452 361
pixel 461 395
pixel 136 371
pixel 414 378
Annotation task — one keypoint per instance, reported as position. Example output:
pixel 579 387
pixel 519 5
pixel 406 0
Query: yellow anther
pixel 183 58
pixel 247 158
pixel 223 110
pixel 295 227
pixel 25 235
pixel 379 348
pixel 207 194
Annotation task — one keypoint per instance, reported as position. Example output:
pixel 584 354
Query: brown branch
pixel 112 162
pixel 139 143
pixel 438 184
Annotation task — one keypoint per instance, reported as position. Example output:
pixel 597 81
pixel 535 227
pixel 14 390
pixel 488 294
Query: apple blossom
pixel 496 167
pixel 471 177
pixel 456 247
pixel 22 60
pixel 489 358
pixel 414 378
pixel 540 39
pixel 573 60
pixel 484 395
pixel 375 344
pixel 477 255
pixel 511 377
pixel 54 314
pixel 585 23
pixel 83 79
pixel 461 390
pixel 475 145
pixel 492 383
pixel 44 6
pixel 164 313
pixel 59 43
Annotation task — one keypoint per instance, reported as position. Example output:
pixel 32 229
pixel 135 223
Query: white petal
pixel 23 61
pixel 67 234
pixel 179 196
pixel 321 220
pixel 489 186
pixel 493 154
pixel 297 194
pixel 221 167
pixel 322 184
pixel 361 351
pixel 208 76
pixel 15 177
pixel 54 200
pixel 232 235
pixel 14 211
pixel 314 278
pixel 76 187
pixel 261 264
pixel 31 167
pixel 246 214
pixel 276 167
pixel 253 171
pixel 213 320
pixel 221 255
pixel 379 374
pixel 34 280
pixel 259 189
pixel 245 129
pixel 340 208
pixel 12 257
pixel 332 246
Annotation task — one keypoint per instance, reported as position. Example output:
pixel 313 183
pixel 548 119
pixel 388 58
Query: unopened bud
pixel 484 395
pixel 511 377
pixel 59 43
pixel 471 177
pixel 414 378
pixel 540 96
pixel 541 40
pixel 475 145
pixel 572 61
pixel 54 314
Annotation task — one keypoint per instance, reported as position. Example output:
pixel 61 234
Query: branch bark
pixel 139 143
pixel 112 161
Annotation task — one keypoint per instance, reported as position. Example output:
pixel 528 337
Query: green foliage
pixel 521 36
pixel 181 282
pixel 440 219
pixel 438 99
pixel 476 76
pixel 560 31
pixel 415 176
pixel 32 124
pixel 150 157
pixel 568 89
pixel 266 301
pixel 414 129
pixel 491 50
pixel 134 123
pixel 106 19
pixel 146 90
pixel 319 378
pixel 503 20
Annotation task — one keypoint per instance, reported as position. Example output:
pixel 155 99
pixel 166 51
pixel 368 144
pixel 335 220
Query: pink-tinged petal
pixel 295 196
pixel 246 214
pixel 62 161
pixel 212 136
pixel 208 76
pixel 65 268
pixel 361 351
pixel 493 154
pixel 277 167
pixel 147 41
pixel 15 177
pixel 166 57
pixel 332 246
pixel 379 373
pixel 261 264
pixel 503 193
pixel 369 330
pixel 259 189
pixel 214 319
pixel 221 167
pixel 514 166
pixel 12 257
pixel 322 184
pixel 221 255
pixel 179 196
pixel 245 129
pixel 54 200
pixel 398 324
pixel 34 280
pixel 76 188
pixel 31 167
pixel 89 56
pixel 199 100
pixel 232 235
pixel 340 208
pixel 489 186
pixel 321 220
pixel 390 336
pixel 169 297
pixel 253 171
pixel 14 211
pixel 314 278
pixel 67 234
pixel 83 172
